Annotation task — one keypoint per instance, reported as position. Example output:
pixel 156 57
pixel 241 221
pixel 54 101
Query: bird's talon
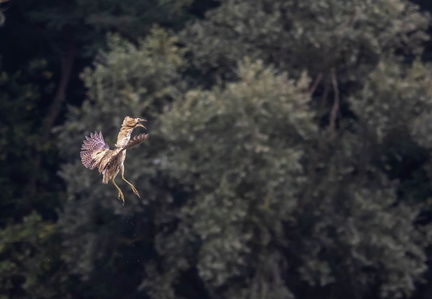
pixel 121 197
pixel 135 191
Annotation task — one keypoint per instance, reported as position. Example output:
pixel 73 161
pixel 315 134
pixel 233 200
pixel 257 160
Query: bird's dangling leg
pixel 130 184
pixel 120 193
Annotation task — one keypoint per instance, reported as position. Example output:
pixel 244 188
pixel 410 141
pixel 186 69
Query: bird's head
pixel 133 122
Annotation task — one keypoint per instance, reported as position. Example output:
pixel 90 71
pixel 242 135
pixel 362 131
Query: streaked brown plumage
pixel 96 153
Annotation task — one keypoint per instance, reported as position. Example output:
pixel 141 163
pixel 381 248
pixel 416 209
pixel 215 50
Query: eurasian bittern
pixel 96 153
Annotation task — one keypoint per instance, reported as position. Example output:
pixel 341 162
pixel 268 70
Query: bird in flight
pixel 96 153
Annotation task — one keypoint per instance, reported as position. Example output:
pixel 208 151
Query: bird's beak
pixel 140 124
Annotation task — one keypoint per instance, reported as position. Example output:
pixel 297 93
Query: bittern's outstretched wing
pixel 136 140
pixel 93 150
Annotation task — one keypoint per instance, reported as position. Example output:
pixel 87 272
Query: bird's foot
pixel 121 196
pixel 135 191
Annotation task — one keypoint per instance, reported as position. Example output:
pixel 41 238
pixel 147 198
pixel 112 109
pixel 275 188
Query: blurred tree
pixel 338 43
pixel 301 173
pixel 277 210
pixel 29 244
pixel 137 80
pixel 348 36
pixel 246 197
pixel 64 35
pixel 332 40
pixel 44 47
pixel 30 265
pixel 22 93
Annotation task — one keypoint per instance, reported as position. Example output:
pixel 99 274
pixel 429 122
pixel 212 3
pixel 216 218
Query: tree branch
pixel 66 67
pixel 67 61
pixel 315 83
pixel 335 108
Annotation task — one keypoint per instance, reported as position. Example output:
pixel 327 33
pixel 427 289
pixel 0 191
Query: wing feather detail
pixel 136 140
pixel 92 145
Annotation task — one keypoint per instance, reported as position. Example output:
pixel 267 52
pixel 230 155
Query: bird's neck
pixel 123 136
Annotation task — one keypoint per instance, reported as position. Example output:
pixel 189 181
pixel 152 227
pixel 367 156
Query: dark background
pixel 289 152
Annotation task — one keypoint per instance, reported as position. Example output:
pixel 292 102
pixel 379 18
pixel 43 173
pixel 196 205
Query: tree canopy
pixel 288 157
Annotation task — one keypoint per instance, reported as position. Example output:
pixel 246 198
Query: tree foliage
pixel 317 36
pixel 288 154
pixel 29 264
